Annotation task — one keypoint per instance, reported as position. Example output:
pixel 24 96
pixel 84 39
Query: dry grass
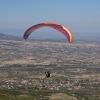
pixel 62 96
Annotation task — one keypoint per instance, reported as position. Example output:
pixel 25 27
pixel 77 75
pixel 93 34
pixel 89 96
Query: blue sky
pixel 81 16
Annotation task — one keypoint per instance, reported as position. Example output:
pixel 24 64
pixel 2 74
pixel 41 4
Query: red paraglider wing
pixel 61 28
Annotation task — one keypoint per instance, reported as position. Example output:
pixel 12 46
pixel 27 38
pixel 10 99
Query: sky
pixel 81 16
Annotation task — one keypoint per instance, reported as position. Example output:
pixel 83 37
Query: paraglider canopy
pixel 61 28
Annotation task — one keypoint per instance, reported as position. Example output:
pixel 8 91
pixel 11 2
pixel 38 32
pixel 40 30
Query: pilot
pixel 47 73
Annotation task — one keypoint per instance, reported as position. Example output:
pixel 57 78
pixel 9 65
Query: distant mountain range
pixel 19 38
pixel 9 37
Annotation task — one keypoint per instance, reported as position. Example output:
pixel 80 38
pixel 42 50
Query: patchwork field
pixel 74 67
